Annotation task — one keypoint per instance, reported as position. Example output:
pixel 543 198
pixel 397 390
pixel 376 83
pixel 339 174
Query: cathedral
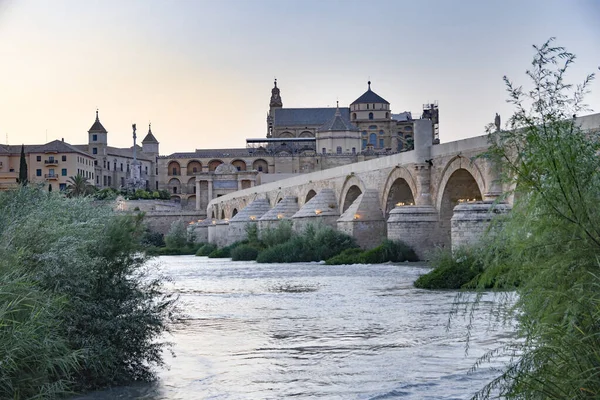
pixel 297 140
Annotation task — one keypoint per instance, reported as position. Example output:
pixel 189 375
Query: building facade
pixel 51 164
pixel 297 141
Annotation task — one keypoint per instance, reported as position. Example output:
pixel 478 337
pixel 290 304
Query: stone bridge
pixel 409 196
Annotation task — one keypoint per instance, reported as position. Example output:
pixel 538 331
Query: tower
pixel 273 104
pixel 150 144
pixel 97 138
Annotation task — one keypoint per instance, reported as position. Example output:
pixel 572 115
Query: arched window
pixel 373 139
pixel 364 143
pixel 373 127
pixel 370 115
pixel 324 150
pixel 338 150
pixel 381 132
pixel 364 133
pixel 354 150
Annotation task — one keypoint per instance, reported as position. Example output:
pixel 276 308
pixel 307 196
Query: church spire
pixel 275 96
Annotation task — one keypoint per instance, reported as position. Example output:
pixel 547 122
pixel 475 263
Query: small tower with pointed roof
pixel 150 144
pixel 97 138
pixel 273 104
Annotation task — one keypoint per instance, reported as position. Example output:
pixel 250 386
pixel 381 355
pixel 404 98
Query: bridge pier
pixel 284 210
pixel 470 221
pixel 364 220
pixel 414 225
pixel 321 209
pixel 199 230
pixel 217 232
pixel 249 215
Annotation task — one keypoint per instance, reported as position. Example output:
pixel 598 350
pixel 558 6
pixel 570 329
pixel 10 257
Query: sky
pixel 202 71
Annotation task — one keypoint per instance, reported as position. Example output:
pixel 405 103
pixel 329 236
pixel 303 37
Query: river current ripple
pixel 307 330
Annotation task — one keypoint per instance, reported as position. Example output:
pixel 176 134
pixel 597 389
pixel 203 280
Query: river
pixel 307 330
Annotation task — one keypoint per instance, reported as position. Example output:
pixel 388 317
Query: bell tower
pixel 97 138
pixel 273 104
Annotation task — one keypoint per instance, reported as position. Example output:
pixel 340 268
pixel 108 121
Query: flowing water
pixel 307 330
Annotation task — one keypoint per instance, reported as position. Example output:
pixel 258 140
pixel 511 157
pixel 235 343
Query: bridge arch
pixel 234 212
pixel 399 187
pixel 461 180
pixel 352 188
pixel 309 195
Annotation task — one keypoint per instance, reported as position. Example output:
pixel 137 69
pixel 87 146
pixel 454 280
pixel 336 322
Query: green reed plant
pixel 551 237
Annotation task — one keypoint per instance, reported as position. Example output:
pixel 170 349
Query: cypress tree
pixel 23 168
pixel 49 187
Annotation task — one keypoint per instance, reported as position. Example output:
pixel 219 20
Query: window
pixel 97 180
pixel 367 106
pixel 175 189
pixel 51 172
pixel 39 158
pixel 96 162
pixel 115 166
pixel 364 133
pixel 364 143
pixel 104 179
pixel 260 168
pixel 122 181
pixel 338 150
pixel 94 138
pixel 381 145
pixel 381 132
pixel 62 187
pixel 109 181
pixel 146 169
pixel 64 158
pixel 353 115
pixel 94 150
pixel 387 115
pixel 408 128
pixel 370 115
pixel 373 139
pixel 63 172
pixel 156 185
pixel 108 165
pixel 38 172
pixel 354 150
pixel 194 189
pixel 121 167
pixel 324 150
pixel 194 170
pixel 127 167
pixel 51 159
pixel 373 127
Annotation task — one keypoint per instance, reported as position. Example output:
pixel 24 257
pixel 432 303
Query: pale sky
pixel 202 71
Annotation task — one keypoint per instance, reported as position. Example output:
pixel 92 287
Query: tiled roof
pixel 338 124
pixel 150 137
pixel 307 116
pixel 370 97
pixel 212 153
pixel 97 126
pixel 56 146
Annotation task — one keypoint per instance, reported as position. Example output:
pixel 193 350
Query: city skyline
pixel 202 72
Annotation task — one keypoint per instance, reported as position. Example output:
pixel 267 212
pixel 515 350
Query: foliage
pixel 244 252
pixel 87 315
pixel 346 257
pixel 388 251
pixel 280 234
pixel 106 194
pixel 206 249
pixel 225 252
pixel 314 244
pixel 176 238
pixel 151 238
pixel 552 237
pixel 78 186
pixel 23 174
pixel 451 270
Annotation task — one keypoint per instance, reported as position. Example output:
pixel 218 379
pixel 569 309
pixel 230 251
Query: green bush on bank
pixel 451 271
pixel 388 251
pixel 244 252
pixel 77 309
pixel 205 249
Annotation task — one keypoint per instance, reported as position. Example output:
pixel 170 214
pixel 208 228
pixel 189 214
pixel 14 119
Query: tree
pixel 176 238
pixel 551 240
pixel 23 167
pixel 49 187
pixel 79 186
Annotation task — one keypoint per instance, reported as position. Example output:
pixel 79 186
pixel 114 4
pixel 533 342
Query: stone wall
pixel 160 221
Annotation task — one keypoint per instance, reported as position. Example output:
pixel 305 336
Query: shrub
pixel 177 236
pixel 346 257
pixel 280 234
pixel 206 249
pixel 451 271
pixel 153 239
pixel 99 316
pixel 394 251
pixel 244 252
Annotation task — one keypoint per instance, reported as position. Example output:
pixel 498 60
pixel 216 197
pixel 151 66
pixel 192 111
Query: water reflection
pixel 312 331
